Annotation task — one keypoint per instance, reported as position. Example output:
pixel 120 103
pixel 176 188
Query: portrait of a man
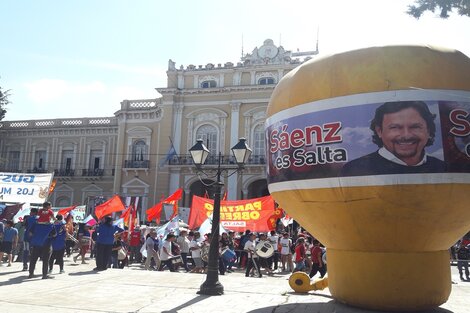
pixel 401 130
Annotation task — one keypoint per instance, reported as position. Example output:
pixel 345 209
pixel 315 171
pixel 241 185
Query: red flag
pixel 66 210
pixel 224 198
pixel 112 205
pixel 155 212
pixel 175 196
pixel 10 211
pixel 126 213
pixel 173 199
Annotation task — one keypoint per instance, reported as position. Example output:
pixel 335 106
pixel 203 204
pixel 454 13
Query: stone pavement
pixel 133 289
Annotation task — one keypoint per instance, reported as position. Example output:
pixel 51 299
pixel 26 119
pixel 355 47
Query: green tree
pixel 443 6
pixel 3 102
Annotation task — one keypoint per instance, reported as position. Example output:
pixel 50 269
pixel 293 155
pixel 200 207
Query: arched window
pixel 208 134
pixel 259 141
pixel 139 151
pixel 208 84
pixel 266 81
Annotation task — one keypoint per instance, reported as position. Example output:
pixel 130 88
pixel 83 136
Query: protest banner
pixel 21 188
pixel 236 215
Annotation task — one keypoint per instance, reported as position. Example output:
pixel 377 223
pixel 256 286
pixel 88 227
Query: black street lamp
pixel 241 151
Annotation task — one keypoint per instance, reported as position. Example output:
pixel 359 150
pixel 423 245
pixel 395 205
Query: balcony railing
pixel 37 171
pixel 136 164
pixel 64 172
pixel 213 160
pixel 93 172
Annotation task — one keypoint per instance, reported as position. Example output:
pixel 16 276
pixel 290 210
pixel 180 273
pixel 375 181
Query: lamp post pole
pixel 211 285
pixel 199 153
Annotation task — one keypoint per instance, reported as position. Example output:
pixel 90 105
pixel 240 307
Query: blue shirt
pixel 106 233
pixel 41 234
pixel 58 242
pixel 30 221
pixel 9 233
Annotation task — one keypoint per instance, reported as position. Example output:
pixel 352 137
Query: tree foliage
pixel 3 102
pixel 442 6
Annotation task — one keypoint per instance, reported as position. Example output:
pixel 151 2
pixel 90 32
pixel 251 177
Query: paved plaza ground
pixel 133 289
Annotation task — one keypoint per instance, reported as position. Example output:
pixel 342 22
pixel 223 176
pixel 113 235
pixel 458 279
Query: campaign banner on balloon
pixel 237 215
pixel 383 138
pixel 18 188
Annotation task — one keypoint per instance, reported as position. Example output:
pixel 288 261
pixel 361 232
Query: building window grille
pixel 266 81
pixel 208 84
pixel 208 134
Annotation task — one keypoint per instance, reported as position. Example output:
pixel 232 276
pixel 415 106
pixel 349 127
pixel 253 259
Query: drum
pixel 264 249
pixel 205 253
pixel 176 260
pixel 85 241
pixel 228 255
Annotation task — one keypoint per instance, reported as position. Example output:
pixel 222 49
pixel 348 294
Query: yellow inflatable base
pixel 389 281
pixel 300 282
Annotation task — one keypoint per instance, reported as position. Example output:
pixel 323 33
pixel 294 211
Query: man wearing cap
pixel 252 257
pixel 184 242
pixel 150 244
pixel 135 245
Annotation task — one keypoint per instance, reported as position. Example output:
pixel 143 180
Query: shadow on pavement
pixel 184 305
pixel 16 280
pixel 83 273
pixel 328 307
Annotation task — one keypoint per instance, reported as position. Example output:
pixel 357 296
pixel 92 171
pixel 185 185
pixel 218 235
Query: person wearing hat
pixel 150 244
pixel 184 242
pixel 135 244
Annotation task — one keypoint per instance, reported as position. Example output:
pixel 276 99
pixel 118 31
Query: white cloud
pixel 360 136
pixel 47 90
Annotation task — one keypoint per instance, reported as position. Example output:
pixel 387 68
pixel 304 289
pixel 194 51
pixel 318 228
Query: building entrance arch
pixel 258 188
pixel 201 189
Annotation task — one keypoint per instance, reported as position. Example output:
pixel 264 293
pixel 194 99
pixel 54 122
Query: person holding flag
pixel 29 221
pixel 104 242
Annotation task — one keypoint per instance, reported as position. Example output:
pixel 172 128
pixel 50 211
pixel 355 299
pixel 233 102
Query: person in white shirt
pixel 184 242
pixel 195 248
pixel 165 253
pixel 286 255
pixel 151 251
pixel 252 257
pixel 274 259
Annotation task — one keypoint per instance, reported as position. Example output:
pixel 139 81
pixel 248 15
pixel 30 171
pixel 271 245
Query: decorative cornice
pixel 222 90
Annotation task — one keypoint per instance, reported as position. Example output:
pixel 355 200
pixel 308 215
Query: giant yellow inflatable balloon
pixel 370 151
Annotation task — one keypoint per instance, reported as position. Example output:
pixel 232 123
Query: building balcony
pixel 64 172
pixel 37 171
pixel 213 160
pixel 136 164
pixel 93 172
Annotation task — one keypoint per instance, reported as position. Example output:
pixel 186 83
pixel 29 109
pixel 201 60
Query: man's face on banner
pixel 405 134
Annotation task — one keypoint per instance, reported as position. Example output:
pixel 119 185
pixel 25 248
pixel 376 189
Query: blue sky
pixel 81 58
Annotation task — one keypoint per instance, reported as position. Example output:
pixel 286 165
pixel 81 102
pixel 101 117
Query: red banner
pixel 238 215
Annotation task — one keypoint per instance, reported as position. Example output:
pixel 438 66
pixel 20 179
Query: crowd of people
pixel 51 238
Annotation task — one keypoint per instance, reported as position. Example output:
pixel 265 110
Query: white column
pixel 280 74
pixel 253 77
pixel 196 81
pixel 180 81
pixel 221 80
pixel 178 107
pixel 174 182
pixel 234 129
